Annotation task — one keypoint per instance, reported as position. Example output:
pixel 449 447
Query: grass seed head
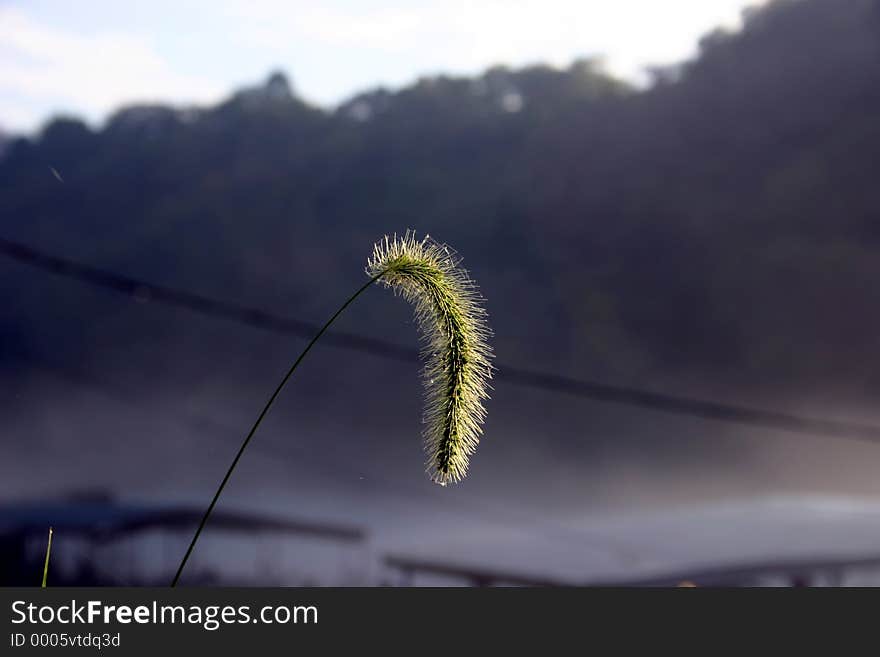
pixel 458 359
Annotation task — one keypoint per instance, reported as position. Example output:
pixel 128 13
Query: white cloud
pixel 356 46
pixel 332 48
pixel 91 74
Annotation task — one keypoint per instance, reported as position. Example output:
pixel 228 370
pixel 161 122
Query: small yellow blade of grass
pixel 46 565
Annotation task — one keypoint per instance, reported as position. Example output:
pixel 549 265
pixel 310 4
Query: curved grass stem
pixel 259 420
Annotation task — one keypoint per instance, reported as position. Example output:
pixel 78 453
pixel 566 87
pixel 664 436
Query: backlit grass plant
pixel 458 358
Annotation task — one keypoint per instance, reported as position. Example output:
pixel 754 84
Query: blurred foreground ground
pixel 775 542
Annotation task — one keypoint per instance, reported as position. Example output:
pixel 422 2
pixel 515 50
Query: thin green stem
pixel 260 420
pixel 46 564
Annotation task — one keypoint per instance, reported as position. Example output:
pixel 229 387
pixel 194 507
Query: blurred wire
pixel 548 382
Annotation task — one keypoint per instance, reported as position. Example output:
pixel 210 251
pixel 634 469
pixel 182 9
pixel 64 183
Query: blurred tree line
pixel 721 223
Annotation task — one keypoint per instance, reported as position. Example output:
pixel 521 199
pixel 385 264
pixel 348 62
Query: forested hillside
pixel 721 224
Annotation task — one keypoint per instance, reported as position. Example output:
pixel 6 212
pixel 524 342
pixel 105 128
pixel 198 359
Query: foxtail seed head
pixel 455 345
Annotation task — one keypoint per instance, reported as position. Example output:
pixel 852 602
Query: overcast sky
pixel 88 57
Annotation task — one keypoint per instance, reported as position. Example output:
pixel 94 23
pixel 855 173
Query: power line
pixel 344 340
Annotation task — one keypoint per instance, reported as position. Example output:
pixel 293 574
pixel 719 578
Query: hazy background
pixel 673 197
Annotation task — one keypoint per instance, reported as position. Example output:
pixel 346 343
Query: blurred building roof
pixel 97 515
